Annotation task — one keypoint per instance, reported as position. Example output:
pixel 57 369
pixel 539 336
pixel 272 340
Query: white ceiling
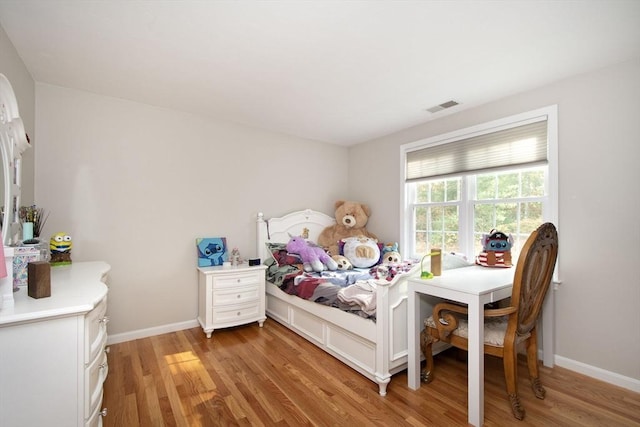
pixel 336 71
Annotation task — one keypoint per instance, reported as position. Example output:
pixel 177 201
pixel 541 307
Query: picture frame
pixel 212 251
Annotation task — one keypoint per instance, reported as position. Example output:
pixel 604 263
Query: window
pixel 500 175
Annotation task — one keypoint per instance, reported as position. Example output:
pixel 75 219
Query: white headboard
pixel 278 230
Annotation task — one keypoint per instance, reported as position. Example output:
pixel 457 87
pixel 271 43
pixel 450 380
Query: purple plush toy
pixel 314 258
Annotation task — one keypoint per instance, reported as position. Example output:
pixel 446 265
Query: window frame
pixel 550 211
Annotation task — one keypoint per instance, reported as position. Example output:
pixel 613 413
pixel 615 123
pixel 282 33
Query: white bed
pixel 375 349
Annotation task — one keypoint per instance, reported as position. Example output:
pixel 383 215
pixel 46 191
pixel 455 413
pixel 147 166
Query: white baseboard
pixel 599 373
pixel 149 332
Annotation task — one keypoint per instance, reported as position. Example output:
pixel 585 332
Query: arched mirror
pixel 14 142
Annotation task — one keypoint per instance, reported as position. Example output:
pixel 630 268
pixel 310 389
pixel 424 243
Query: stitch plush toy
pixel 314 258
pixel 496 250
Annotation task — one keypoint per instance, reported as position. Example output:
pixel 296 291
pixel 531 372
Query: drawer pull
pixel 238 314
pixel 238 296
pixel 104 320
pixel 239 280
pixel 103 413
pixel 103 365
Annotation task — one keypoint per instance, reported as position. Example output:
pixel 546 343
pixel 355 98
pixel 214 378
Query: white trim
pixel 149 332
pixel 598 373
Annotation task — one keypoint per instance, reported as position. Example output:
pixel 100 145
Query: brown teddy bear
pixel 351 219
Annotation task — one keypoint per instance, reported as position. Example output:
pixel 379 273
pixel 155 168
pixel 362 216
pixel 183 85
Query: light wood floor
pixel 270 376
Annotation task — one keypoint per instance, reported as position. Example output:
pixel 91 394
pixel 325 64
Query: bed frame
pixel 378 349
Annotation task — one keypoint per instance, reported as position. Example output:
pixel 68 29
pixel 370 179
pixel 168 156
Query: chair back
pixel 533 275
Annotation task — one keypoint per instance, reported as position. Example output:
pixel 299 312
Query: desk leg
pixel 413 347
pixel 476 362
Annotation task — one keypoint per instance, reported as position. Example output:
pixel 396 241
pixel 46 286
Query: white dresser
pixel 53 360
pixel 230 296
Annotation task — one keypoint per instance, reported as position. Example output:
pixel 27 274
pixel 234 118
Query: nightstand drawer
pixel 236 314
pixel 237 295
pixel 238 279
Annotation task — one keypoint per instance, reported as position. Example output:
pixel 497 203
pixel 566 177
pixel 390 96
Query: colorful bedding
pixel 349 290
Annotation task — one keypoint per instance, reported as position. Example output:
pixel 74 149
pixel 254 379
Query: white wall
pixel 598 304
pixel 135 185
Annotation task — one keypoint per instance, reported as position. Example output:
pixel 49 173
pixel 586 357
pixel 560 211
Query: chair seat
pixel 494 329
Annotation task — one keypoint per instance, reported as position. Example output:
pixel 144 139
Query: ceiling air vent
pixel 442 106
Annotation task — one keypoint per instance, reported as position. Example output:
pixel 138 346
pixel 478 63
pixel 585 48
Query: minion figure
pixel 60 246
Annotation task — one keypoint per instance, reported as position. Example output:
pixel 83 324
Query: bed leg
pixel 382 385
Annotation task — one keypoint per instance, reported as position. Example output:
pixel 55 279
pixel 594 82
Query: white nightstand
pixel 230 296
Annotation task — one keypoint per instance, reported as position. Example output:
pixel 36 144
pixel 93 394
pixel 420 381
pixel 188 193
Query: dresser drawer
pixel 235 295
pixel 237 314
pixel 238 279
pixel 95 330
pixel 94 377
pixel 96 417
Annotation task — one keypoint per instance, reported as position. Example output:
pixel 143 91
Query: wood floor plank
pixel 251 376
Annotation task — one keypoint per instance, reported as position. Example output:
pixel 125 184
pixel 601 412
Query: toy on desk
pixel 436 264
pixel 60 246
pixel 496 250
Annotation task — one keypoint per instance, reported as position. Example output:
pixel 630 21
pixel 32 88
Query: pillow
pixel 280 255
pixel 380 247
pixel 361 251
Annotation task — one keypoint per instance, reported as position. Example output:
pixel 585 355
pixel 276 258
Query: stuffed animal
pixel 391 258
pixel 60 246
pixel 390 254
pixel 314 258
pixel 496 250
pixel 343 262
pixel 390 247
pixel 351 219
pixel 361 251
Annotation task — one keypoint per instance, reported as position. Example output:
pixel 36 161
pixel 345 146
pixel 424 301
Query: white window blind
pixel 516 146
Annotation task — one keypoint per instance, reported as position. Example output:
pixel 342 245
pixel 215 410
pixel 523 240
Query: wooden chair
pixel 507 327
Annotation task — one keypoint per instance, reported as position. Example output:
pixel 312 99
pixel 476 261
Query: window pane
pixel 437 191
pixel 437 219
pixel 435 240
pixel 507 217
pixel 421 218
pixel 422 193
pixel 485 187
pixel 451 218
pixel 453 190
pixel 451 243
pixel 421 242
pixel 530 217
pixel 508 185
pixel 533 183
pixel 484 218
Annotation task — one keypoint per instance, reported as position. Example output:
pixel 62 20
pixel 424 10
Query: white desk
pixel 474 286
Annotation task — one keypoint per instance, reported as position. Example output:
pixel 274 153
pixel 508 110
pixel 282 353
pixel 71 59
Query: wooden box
pixel 39 279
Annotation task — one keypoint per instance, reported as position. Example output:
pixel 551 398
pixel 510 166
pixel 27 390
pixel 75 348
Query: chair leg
pixel 532 362
pixel 426 344
pixel 510 362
